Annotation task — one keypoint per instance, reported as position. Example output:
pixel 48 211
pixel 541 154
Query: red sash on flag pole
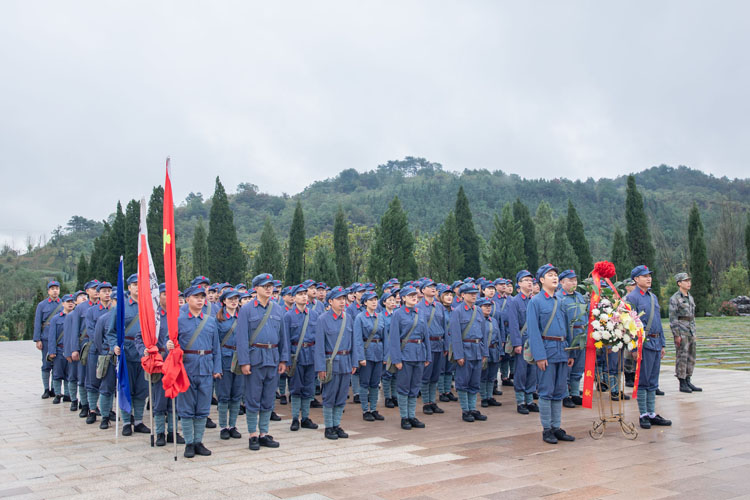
pixel 175 378
pixel 148 293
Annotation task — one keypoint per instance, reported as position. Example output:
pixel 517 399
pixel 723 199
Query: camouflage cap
pixel 681 277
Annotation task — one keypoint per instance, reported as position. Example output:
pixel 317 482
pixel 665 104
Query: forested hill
pixel 427 193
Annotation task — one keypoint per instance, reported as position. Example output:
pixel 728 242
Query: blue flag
pixel 123 390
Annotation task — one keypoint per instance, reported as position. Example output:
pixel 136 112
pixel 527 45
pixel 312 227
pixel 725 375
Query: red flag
pixel 175 378
pixel 148 293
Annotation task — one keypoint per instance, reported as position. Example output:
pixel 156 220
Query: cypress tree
pixel 446 258
pixel 341 248
pixel 392 252
pixel 155 228
pixel 82 272
pixel 506 252
pixel 467 236
pixel 637 234
pixel 521 214
pixel 269 259
pixel 747 242
pixel 620 255
pixel 227 261
pixel 563 254
pixel 577 238
pixel 132 227
pixel 295 265
pixel 31 314
pixel 115 246
pixel 323 267
pixel 200 250
pixel 98 261
pixel 545 231
pixel 700 272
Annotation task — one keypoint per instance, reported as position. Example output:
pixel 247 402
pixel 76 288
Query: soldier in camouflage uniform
pixel 682 324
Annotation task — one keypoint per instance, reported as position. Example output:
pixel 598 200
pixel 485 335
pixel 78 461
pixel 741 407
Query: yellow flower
pixel 598 345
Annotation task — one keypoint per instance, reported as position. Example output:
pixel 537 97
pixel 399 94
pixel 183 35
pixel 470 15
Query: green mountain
pixel 427 192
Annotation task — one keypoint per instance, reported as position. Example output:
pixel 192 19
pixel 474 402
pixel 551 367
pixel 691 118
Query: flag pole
pixel 117 400
pixel 174 426
pixel 151 408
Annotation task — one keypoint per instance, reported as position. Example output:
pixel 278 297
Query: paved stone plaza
pixel 46 451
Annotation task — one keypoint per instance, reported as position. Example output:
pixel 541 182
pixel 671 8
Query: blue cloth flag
pixel 123 383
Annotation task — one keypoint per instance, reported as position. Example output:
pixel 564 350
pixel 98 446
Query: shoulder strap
pixel 471 322
pixel 54 312
pixel 197 331
pixel 551 318
pixel 229 333
pixel 505 303
pixel 405 339
pixel 372 333
pixel 432 316
pixel 262 323
pixel 341 336
pixel 651 314
pixel 301 338
pixel 489 337
pixel 131 324
pixel 60 337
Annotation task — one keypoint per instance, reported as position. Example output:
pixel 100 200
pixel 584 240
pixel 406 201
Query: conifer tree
pixel 323 267
pixel 620 255
pixel 563 254
pixel 295 263
pixel 446 258
pixel 200 250
pixel 341 248
pixel 638 236
pixel 577 238
pixel 155 228
pixel 521 214
pixel 747 242
pixel 269 259
pixel 98 261
pixel 392 252
pixel 700 272
pixel 82 272
pixel 132 227
pixel 115 246
pixel 467 236
pixel 506 251
pixel 227 261
pixel 544 223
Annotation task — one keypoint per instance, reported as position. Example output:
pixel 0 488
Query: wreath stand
pixel 611 411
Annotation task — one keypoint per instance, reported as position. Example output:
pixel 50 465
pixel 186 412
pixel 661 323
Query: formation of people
pixel 247 347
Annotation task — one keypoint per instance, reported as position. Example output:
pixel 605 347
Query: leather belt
pixel 557 339
pixel 472 341
pixel 60 345
pixel 494 345
pixel 304 344
pixel 265 346
pixel 200 353
pixel 414 341
pixel 653 335
pixel 685 318
pixel 340 353
pixel 161 349
pixel 375 341
pixel 435 339
pixel 129 338
pixel 234 348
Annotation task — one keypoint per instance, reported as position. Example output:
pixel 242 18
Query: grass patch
pixel 722 343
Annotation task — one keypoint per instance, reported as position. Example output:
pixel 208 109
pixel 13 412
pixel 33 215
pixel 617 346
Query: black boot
pixel 275 417
pixel 692 387
pixel 161 439
pixel 210 424
pixel 405 424
pixel 330 433
pixel 295 425
pixel 189 451
pixel 46 394
pixel 170 438
pixel 659 392
pixel 104 423
pixel 568 402
pixel 315 403
pixel 91 417
pixel 84 411
pixel 74 405
pixel 548 436
pixel 308 424
pixel 561 435
pixel 684 387
pixel 388 402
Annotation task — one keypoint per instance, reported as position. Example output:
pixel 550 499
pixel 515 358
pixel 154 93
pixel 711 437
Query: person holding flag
pixel 136 380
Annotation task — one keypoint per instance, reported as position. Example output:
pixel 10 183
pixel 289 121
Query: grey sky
pixel 94 95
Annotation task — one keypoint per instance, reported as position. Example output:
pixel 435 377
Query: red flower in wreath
pixel 604 269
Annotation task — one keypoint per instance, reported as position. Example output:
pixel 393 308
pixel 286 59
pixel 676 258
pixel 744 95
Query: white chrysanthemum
pixel 610 326
pixel 603 317
pixel 597 335
pixel 608 310
pixel 615 348
pixel 626 338
pixel 606 335
pixel 596 312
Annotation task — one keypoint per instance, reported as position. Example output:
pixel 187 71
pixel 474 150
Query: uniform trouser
pixel 60 372
pixel 335 391
pixel 46 366
pixel 260 388
pixel 229 392
pixel 283 382
pixel 612 367
pixel 648 381
pixel 92 383
pixel 685 357
pixel 469 375
pixel 449 369
pixel 74 368
pixel 162 406
pixel 487 381
pixel 576 373
pixel 506 366
pixel 524 380
pixel 553 383
pixel 302 382
pixel 138 389
pixel 369 382
pixel 107 386
pixel 196 401
pixel 82 376
pixel 355 382
pixel 389 384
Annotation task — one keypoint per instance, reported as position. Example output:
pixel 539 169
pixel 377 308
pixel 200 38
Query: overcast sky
pixel 94 94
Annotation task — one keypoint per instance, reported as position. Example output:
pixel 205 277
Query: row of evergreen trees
pixel 518 241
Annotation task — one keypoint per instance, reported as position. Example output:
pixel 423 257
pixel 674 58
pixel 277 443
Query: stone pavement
pixel 46 451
